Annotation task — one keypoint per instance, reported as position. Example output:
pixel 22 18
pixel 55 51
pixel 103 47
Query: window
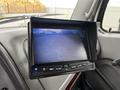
pixel 111 20
pixel 60 9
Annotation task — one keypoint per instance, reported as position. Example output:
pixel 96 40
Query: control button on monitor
pixel 36 69
pixel 66 66
pixel 84 64
pixel 73 67
pixel 66 69
pixel 35 72
pixel 51 69
pixel 79 65
pixel 43 69
pixel 59 68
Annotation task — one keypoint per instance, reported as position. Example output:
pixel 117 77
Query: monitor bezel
pixel 57 23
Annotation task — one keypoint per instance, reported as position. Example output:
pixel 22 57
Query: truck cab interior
pixel 15 49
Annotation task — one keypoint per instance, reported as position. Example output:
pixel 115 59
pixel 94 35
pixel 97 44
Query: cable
pixel 24 47
pixel 41 84
pixel 89 85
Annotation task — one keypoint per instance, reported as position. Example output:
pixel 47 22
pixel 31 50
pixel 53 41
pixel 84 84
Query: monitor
pixel 60 46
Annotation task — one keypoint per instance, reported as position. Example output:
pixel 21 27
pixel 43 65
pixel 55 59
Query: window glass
pixel 60 9
pixel 111 20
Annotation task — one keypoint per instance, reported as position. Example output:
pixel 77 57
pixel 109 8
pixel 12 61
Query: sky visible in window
pixel 114 3
pixel 59 3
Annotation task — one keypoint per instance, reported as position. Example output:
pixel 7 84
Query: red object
pixel 70 85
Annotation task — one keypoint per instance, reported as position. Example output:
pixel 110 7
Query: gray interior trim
pixel 10 67
pixel 87 14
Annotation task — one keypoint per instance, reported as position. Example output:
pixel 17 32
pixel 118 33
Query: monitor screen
pixel 59 47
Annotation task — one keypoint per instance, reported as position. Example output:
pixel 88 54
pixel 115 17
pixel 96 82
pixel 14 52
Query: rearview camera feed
pixel 58 45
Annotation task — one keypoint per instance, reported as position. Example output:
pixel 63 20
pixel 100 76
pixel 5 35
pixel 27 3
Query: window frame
pixel 101 14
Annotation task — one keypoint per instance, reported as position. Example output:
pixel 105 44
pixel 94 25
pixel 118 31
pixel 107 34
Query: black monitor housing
pixel 59 47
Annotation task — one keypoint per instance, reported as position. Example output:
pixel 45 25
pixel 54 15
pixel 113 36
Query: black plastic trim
pixel 101 16
pixel 102 10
